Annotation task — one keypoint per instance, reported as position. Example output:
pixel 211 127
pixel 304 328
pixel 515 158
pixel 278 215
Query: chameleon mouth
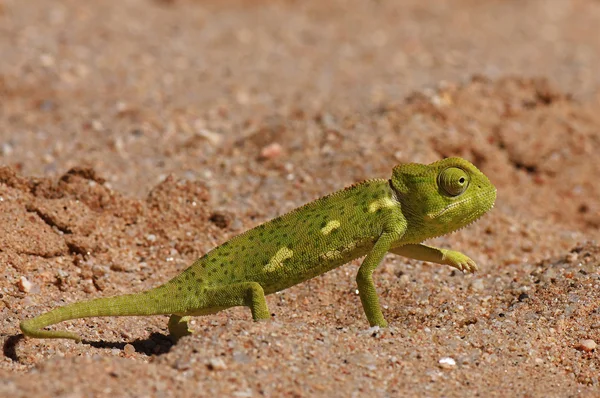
pixel 471 220
pixel 433 216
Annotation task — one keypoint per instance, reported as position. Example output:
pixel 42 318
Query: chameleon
pixel 369 218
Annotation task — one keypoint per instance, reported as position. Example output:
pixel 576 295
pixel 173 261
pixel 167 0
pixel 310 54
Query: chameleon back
pixel 304 243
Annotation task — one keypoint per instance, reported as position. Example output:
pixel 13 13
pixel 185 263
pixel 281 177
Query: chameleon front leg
pixel 250 294
pixel 435 255
pixel 364 280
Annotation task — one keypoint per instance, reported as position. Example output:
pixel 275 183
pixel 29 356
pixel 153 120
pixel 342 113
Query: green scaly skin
pixel 368 219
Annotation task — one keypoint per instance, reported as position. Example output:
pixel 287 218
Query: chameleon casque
pixel 368 219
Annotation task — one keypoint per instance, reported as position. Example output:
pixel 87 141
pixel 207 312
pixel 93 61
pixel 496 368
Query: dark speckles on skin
pixel 189 288
pixel 193 273
pixel 213 260
pixel 187 277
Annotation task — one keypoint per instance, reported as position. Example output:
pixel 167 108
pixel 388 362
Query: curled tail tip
pixel 25 328
pixel 29 329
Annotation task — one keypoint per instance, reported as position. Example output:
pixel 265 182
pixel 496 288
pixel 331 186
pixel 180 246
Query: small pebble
pixel 24 285
pixel 216 364
pixel 373 330
pixel 182 364
pixel 97 125
pixel 447 363
pixel 572 257
pixel 271 151
pixel 523 297
pixel 243 393
pixel 404 279
pixel 129 349
pixel 6 149
pixel 210 136
pixel 586 345
pixel 549 275
pixel 477 285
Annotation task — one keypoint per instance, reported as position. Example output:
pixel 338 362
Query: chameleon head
pixel 443 196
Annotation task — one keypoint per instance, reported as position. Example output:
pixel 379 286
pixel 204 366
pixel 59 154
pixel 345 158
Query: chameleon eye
pixel 453 181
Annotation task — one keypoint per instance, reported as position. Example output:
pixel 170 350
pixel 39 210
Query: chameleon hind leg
pixel 249 294
pixel 178 326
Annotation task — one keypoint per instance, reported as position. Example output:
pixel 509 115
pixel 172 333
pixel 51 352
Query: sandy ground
pixel 135 135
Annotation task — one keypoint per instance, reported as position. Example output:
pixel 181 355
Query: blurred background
pixel 127 86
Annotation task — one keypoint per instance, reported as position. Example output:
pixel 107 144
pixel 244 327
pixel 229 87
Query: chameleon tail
pixel 151 302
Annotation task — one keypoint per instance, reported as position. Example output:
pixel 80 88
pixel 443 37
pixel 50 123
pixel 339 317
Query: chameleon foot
pixel 460 261
pixel 178 327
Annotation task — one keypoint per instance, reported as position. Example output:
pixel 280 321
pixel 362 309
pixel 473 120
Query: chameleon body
pixel 368 219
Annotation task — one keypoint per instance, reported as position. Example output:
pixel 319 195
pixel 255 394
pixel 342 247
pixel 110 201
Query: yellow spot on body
pixel 331 225
pixel 277 260
pixel 381 203
pixel 331 255
pixel 339 253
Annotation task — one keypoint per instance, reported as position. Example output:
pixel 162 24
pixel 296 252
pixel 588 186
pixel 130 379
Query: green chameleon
pixel 368 219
